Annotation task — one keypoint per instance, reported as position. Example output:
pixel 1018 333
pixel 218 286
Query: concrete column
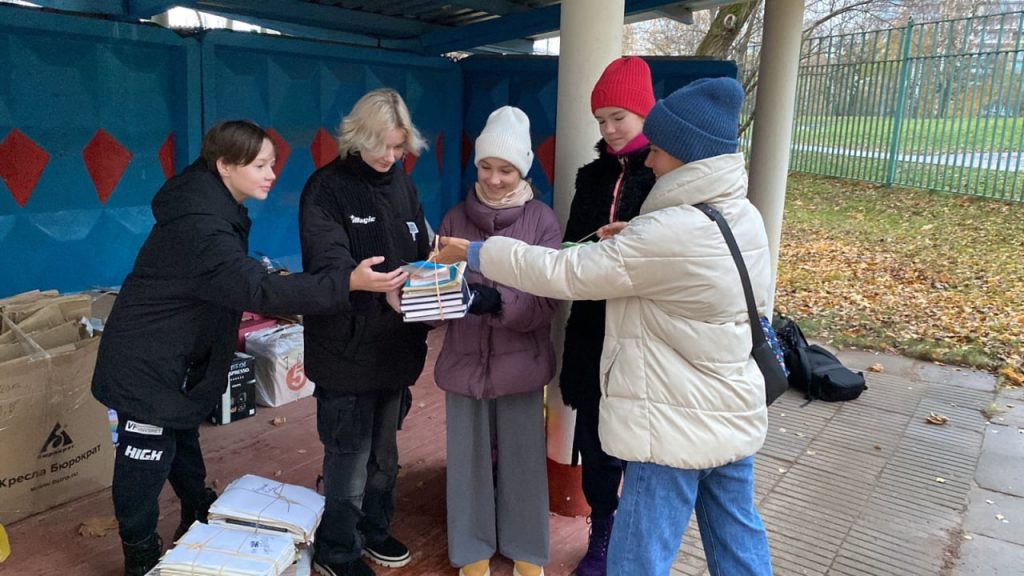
pixel 591 37
pixel 773 121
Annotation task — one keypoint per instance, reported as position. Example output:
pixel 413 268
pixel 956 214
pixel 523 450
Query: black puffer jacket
pixel 591 209
pixel 350 212
pixel 170 337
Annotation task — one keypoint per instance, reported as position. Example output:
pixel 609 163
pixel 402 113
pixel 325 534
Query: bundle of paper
pixel 439 299
pixel 225 551
pixel 270 505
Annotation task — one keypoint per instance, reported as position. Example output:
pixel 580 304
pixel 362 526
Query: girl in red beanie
pixel 610 189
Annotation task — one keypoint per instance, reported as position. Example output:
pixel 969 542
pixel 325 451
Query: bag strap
pixel 756 333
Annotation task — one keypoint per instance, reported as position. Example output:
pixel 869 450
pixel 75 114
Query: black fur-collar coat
pixel 591 209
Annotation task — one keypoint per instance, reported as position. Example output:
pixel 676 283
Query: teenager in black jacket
pixel 363 357
pixel 609 192
pixel 164 357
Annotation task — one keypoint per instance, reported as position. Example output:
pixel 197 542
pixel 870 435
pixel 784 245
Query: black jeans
pixel 360 466
pixel 147 456
pixel 602 473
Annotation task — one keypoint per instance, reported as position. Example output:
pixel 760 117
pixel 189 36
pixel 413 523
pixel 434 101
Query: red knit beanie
pixel 625 83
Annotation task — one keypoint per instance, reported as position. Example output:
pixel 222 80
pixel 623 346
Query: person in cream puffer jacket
pixel 682 400
pixel 679 387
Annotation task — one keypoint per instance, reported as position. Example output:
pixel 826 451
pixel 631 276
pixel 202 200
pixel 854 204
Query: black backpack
pixel 814 369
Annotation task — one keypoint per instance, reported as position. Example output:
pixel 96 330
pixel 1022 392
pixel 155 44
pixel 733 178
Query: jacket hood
pixel 197 190
pixel 716 179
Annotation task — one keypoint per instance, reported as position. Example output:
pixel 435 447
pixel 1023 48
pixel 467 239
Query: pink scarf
pixel 632 146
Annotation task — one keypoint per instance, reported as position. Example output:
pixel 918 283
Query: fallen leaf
pixel 97 526
pixel 1015 378
pixel 876 367
pixel 278 420
pixel 937 419
pixel 878 446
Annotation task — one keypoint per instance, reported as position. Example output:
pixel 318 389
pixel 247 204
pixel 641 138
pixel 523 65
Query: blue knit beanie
pixel 698 121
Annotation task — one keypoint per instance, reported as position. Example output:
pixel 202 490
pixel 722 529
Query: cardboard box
pixel 239 398
pixel 280 373
pixel 252 322
pixel 54 436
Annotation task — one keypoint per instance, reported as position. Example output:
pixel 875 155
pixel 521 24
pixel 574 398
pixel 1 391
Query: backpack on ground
pixel 814 369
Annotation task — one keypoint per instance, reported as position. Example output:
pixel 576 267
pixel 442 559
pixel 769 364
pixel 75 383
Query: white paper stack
pixel 435 292
pixel 270 505
pixel 216 550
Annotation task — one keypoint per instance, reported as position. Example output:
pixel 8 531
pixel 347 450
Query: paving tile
pixel 984 511
pixel 964 377
pixel 984 556
pixel 1002 445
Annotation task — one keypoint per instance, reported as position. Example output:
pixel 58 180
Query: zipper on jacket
pixel 615 192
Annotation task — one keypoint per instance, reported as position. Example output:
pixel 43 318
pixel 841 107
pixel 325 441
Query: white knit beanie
pixel 506 136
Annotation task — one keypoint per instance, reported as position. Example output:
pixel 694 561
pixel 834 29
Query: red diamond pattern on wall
pixel 166 155
pixel 105 160
pixel 546 157
pixel 409 162
pixel 439 151
pixel 22 162
pixel 281 148
pixel 467 150
pixel 324 148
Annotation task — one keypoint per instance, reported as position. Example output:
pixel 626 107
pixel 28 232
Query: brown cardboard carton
pixel 55 441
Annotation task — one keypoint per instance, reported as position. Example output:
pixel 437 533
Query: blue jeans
pixel 655 508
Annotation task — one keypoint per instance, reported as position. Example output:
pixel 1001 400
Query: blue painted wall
pixel 113 108
pixel 62 79
pixel 298 88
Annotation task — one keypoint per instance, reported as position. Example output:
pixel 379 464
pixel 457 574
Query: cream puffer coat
pixel 679 387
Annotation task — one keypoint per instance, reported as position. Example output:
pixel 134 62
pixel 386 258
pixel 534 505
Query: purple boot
pixel 595 562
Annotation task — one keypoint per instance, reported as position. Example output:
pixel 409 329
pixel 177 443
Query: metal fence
pixel 936 105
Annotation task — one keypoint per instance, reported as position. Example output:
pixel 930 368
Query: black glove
pixel 486 300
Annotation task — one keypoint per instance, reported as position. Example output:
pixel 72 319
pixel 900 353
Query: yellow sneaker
pixel 526 569
pixel 478 568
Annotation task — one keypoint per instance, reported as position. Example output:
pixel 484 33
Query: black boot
pixel 190 512
pixel 140 558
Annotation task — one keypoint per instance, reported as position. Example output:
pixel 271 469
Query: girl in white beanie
pixel 493 368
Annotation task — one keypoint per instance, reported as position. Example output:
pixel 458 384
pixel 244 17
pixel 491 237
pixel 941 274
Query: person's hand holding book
pixel 452 250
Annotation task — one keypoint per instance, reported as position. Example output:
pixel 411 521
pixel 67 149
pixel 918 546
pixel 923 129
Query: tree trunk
pixel 728 24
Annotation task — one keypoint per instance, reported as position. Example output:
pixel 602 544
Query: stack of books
pixel 256 502
pixel 223 551
pixel 258 527
pixel 435 292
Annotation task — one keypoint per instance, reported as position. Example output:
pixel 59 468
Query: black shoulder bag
pixel 767 358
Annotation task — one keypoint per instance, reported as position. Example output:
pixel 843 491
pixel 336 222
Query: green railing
pixel 936 105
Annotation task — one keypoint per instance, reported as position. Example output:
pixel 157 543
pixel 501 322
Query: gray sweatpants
pixel 497 478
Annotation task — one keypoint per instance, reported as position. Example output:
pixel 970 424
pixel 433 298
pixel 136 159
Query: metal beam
pixel 511 27
pixel 146 9
pixel 496 7
pixel 111 7
pixel 316 33
pixel 315 16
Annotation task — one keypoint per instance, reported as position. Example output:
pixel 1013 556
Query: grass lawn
pixel 925 274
